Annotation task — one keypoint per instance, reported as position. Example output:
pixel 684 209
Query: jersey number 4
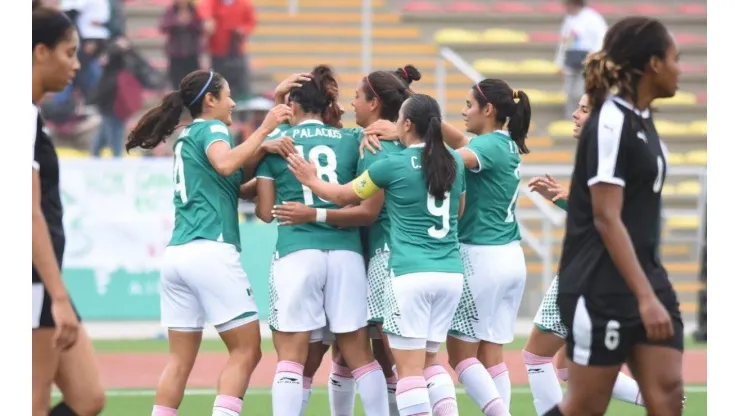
pixel 327 172
pixel 178 175
pixel 443 212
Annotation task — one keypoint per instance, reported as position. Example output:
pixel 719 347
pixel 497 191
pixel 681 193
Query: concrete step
pixel 535 22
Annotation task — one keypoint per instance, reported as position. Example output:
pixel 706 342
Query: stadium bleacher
pixel 513 40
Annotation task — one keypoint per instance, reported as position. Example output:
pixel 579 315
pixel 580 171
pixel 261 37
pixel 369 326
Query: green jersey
pixel 424 237
pixel 317 143
pixel 378 234
pixel 489 217
pixel 205 202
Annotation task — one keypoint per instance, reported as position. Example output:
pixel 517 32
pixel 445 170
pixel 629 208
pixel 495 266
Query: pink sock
pixel 563 374
pixel 228 402
pixel 163 411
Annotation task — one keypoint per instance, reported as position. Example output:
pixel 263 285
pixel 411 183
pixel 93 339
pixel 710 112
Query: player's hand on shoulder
pixel 276 116
pixel 292 213
pixel 383 129
pixel 369 142
pixel 303 170
pixel 655 318
pixel 283 146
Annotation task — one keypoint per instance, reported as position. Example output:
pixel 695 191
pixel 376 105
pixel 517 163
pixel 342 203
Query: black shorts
pixel 41 307
pixel 597 336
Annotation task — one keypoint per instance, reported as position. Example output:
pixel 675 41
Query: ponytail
pixel 157 124
pixel 438 163
pixel 512 109
pixel 518 125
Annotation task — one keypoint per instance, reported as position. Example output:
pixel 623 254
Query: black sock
pixel 555 411
pixel 62 409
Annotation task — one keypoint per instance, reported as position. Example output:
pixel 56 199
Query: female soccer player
pixel 548 333
pixel 424 194
pixel 378 96
pixel 318 272
pixel 62 352
pixel 495 271
pixel 614 294
pixel 202 277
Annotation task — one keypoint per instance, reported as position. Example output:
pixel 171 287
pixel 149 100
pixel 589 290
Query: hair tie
pixel 481 92
pixel 515 93
pixel 210 77
pixel 405 73
pixel 367 80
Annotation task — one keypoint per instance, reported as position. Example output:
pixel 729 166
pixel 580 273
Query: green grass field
pixel 258 403
pixel 144 346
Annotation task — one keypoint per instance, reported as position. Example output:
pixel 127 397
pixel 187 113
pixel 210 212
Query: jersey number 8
pixel 439 211
pixel 327 173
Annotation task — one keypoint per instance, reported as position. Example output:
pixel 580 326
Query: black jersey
pixel 45 160
pixel 619 145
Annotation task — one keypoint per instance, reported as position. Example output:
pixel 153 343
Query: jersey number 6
pixel 327 173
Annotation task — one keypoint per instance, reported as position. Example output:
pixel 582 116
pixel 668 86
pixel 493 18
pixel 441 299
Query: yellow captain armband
pixel 364 187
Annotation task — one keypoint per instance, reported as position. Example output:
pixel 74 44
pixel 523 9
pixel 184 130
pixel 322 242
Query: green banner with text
pixel 129 295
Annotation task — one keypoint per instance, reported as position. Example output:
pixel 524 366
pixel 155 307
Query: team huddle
pixel 394 237
pixel 401 234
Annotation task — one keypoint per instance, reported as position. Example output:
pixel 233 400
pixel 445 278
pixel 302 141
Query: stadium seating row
pixel 665 128
pixel 552 7
pixel 496 35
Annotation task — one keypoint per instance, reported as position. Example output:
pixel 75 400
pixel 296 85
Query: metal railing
pixel 551 217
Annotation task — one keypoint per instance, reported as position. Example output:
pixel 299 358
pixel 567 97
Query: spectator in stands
pixel 582 32
pixel 228 24
pixel 91 18
pixel 184 28
pixel 117 22
pixel 119 95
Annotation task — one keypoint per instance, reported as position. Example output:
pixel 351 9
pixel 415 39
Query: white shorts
pixel 421 306
pixel 310 287
pixel 548 315
pixel 494 286
pixel 204 280
pixel 377 277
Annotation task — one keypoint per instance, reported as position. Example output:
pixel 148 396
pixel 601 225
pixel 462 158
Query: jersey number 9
pixel 327 172
pixel 439 211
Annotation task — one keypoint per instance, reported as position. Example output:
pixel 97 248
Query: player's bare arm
pixel 607 209
pixel 45 262
pixel 292 213
pixel 226 160
pixel 341 195
pixel 263 204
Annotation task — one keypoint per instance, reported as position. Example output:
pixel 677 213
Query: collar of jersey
pixel 309 122
pixel 416 145
pixel 644 113
pixel 197 120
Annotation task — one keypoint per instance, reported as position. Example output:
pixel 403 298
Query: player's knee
pixel 90 405
pixel 668 400
pixel 247 356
